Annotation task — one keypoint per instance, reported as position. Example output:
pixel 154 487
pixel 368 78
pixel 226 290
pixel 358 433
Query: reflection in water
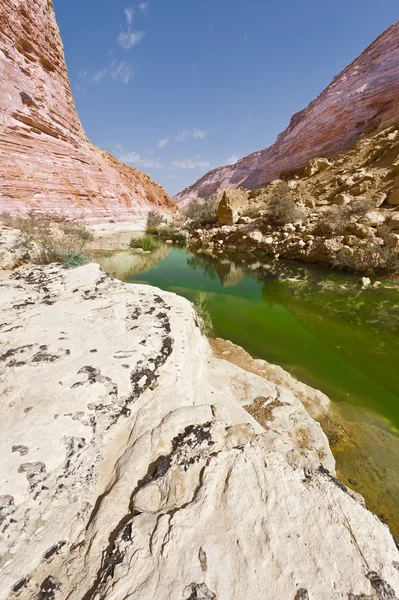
pixel 123 265
pixel 321 326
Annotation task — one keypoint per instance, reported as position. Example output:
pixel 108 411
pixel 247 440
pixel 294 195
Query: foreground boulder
pixel 132 469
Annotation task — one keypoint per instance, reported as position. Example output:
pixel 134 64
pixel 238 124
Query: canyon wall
pixel 47 163
pixel 363 99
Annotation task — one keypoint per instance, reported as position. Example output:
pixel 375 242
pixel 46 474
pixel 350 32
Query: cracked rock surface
pixel 135 465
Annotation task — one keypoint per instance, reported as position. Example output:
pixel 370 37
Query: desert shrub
pixel 173 234
pixel 49 238
pixel 145 243
pixel 74 259
pixel 253 211
pixel 205 320
pixel 282 208
pixel 336 219
pixel 202 214
pixel 154 221
pixel 369 259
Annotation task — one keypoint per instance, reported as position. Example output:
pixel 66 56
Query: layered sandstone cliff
pixel 361 100
pixel 146 468
pixel 46 161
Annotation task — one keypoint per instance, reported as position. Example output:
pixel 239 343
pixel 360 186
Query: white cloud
pixel 128 39
pixel 162 143
pixel 122 72
pixel 189 163
pixel 232 159
pixel 129 14
pixel 135 159
pixel 182 135
pixel 118 71
pixel 143 6
pixel 200 133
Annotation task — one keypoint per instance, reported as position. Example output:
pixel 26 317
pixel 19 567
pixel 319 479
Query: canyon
pixel 360 101
pixel 47 162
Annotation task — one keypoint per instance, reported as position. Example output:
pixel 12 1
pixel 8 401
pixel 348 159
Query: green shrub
pixel 74 259
pixel 205 320
pixel 282 208
pixel 145 243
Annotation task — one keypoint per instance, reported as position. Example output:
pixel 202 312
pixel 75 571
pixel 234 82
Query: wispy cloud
pixel 144 5
pixel 135 159
pixel 129 14
pixel 232 159
pixel 190 163
pixel 200 133
pixel 182 135
pixel 128 39
pixel 195 133
pixel 162 143
pixel 117 71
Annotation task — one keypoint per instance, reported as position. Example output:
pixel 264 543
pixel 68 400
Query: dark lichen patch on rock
pixel 48 589
pixel 54 550
pixel 335 480
pixel 23 450
pixel 198 591
pixel 302 594
pixel 22 583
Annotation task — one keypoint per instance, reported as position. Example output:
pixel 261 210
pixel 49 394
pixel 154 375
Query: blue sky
pixel 177 87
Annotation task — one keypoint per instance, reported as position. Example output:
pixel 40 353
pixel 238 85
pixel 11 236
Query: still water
pixel 322 327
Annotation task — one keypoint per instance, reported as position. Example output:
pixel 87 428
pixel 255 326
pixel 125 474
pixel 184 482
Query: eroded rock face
pixel 132 469
pixel 47 162
pixel 359 101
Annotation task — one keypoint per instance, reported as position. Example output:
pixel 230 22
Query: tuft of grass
pixel 145 243
pixel 74 259
pixel 204 317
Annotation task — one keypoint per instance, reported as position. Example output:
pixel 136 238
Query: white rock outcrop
pixel 131 469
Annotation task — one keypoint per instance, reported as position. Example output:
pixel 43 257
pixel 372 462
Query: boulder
pixel 231 206
pixel 342 199
pixel 257 236
pixel 372 219
pixel 316 165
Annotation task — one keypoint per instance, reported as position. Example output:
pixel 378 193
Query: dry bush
pixel 336 219
pixel 282 208
pixel 53 238
pixel 154 221
pixel 202 214
pixel 369 259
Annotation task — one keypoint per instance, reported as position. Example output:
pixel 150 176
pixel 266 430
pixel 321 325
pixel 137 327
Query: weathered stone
pixel 148 481
pixel 342 199
pixel 316 165
pixel 231 206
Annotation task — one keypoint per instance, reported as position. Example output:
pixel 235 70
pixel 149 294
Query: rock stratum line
pixel 361 100
pixel 47 163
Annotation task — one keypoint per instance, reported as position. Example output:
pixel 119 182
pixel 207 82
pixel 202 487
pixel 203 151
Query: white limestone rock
pixel 131 469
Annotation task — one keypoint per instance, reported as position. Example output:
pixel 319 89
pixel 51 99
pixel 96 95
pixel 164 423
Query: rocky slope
pixel 362 99
pixel 147 468
pixel 348 211
pixel 47 162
